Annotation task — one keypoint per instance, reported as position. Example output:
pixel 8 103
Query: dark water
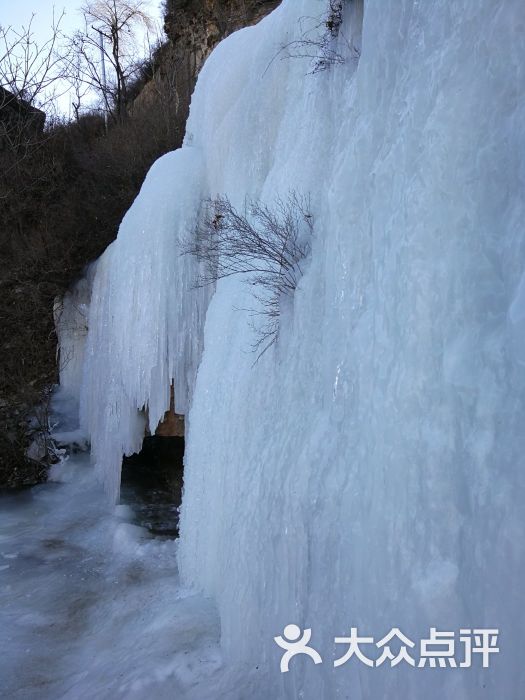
pixel 152 485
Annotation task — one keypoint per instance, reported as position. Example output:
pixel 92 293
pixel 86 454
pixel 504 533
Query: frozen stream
pixel 90 605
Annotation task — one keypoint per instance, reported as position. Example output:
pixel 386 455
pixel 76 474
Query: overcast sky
pixel 16 13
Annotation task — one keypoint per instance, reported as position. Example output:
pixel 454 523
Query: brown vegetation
pixel 63 193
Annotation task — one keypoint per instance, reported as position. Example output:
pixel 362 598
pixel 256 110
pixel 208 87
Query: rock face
pixel 17 114
pixel 173 423
pixel 194 28
pixel 203 23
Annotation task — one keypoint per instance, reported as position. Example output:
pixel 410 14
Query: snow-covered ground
pixel 369 470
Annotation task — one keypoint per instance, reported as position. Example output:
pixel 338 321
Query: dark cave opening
pixel 152 484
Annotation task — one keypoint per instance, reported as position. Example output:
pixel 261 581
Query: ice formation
pixel 369 470
pixel 143 310
pixel 71 323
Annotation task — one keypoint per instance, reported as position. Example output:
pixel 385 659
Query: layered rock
pixel 194 28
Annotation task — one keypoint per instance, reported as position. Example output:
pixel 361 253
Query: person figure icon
pixel 293 644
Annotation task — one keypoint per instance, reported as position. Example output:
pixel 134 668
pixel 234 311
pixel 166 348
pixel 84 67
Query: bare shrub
pixel 318 41
pixel 268 245
pixel 30 70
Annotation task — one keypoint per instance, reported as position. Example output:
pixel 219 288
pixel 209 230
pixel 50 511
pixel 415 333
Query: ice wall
pixel 369 470
pixel 71 322
pixel 145 316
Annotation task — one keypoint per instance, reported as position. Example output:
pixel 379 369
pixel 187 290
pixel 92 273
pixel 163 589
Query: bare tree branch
pixel 267 245
pixel 318 40
pixel 118 23
pixel 30 70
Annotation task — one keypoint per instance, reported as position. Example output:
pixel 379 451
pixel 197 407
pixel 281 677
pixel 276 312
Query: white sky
pixel 16 13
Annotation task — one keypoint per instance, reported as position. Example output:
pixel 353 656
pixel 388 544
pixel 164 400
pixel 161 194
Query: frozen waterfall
pixel 368 471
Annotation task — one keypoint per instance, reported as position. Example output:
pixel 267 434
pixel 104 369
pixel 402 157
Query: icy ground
pixel 90 605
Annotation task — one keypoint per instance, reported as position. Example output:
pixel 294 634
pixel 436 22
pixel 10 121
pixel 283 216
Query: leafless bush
pixel 30 70
pixel 268 245
pixel 318 41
